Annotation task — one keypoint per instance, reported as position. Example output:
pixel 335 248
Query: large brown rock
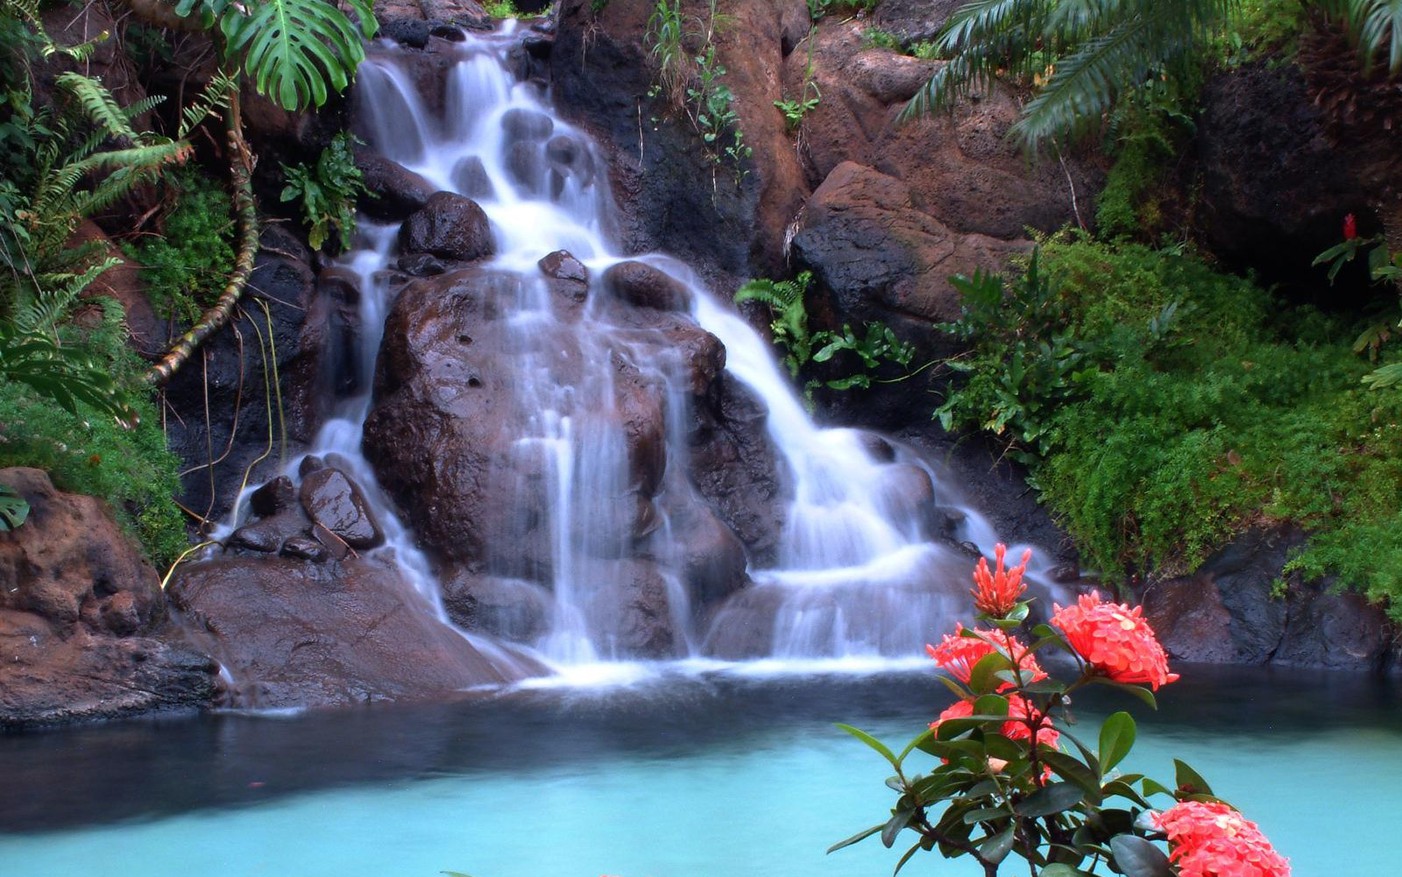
pixel 881 256
pixel 83 619
pixel 293 634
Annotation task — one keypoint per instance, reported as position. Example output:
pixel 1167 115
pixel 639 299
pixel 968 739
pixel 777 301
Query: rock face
pixel 474 409
pixel 1230 611
pixel 293 633
pixel 83 626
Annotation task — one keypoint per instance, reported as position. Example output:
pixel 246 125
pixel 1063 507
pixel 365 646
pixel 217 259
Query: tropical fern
pixel 1079 55
pixel 789 323
pixel 296 51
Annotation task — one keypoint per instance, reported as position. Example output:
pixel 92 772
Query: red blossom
pixel 1022 715
pixel 1114 640
pixel 1210 839
pixel 958 654
pixel 1350 227
pixel 996 593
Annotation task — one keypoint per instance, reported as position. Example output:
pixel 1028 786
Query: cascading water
pixel 606 518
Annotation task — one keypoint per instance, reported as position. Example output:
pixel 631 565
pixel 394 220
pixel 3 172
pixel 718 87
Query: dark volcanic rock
pixel 294 633
pixel 450 227
pixel 644 286
pixel 337 503
pixel 1231 611
pixel 393 190
pixel 83 619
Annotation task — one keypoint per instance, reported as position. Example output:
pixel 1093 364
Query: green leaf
pixel 297 51
pixel 1138 691
pixel 1137 857
pixel 1116 739
pixel 997 847
pixel 1189 781
pixel 895 825
pixel 1069 768
pixel 1050 799
pixel 1061 869
pixel 874 743
pixel 14 509
pixel 856 838
pixel 1154 787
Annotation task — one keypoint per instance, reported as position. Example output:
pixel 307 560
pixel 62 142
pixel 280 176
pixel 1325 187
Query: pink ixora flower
pixel 1022 715
pixel 995 593
pixel 958 654
pixel 1114 640
pixel 1210 839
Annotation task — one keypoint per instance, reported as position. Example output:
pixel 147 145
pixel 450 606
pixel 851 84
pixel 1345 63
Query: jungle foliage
pixel 1163 407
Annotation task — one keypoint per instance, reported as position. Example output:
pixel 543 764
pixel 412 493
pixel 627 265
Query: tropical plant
pixel 1004 775
pixel 296 52
pixel 877 347
pixel 327 191
pixel 789 315
pixel 1079 56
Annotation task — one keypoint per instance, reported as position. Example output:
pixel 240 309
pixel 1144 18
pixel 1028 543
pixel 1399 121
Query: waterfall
pixel 856 569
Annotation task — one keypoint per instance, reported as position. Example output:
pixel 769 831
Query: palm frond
pixel 1379 25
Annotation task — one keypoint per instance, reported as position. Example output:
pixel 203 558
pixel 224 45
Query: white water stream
pixel 856 576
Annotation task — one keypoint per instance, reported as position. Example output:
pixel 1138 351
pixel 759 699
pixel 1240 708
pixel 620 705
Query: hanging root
pixel 214 319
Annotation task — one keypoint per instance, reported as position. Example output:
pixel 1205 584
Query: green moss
pixel 91 453
pixel 1200 406
pixel 186 266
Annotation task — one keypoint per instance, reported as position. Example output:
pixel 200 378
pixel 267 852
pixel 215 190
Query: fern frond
pixel 58 292
pixel 98 104
pixel 765 291
pixel 213 100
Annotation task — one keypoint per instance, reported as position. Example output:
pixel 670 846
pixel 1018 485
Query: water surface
pixel 684 774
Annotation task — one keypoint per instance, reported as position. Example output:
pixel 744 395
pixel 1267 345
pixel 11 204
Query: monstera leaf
pixel 297 51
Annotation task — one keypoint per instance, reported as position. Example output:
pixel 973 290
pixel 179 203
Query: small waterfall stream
pixel 855 570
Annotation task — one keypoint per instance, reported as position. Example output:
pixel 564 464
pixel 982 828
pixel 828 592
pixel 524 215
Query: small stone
pixel 306 548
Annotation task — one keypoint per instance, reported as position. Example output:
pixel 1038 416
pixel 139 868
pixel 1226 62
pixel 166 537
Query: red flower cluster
pixel 996 593
pixel 1115 640
pixel 1210 839
pixel 958 654
pixel 1022 715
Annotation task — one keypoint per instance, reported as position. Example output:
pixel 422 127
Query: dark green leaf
pixel 1154 787
pixel 1069 768
pixel 856 838
pixel 906 858
pixel 1050 799
pixel 895 825
pixel 1059 869
pixel 1138 691
pixel 874 743
pixel 1116 739
pixel 983 677
pixel 1137 857
pixel 997 847
pixel 985 814
pixel 1189 781
pixel 14 509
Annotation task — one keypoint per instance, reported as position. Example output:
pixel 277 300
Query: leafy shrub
pixel 186 265
pixel 1196 406
pixel 327 192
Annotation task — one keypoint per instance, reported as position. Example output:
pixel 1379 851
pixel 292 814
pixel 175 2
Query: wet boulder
pixel 641 285
pixel 296 634
pixel 84 631
pixel 449 226
pixel 337 503
pixel 393 191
